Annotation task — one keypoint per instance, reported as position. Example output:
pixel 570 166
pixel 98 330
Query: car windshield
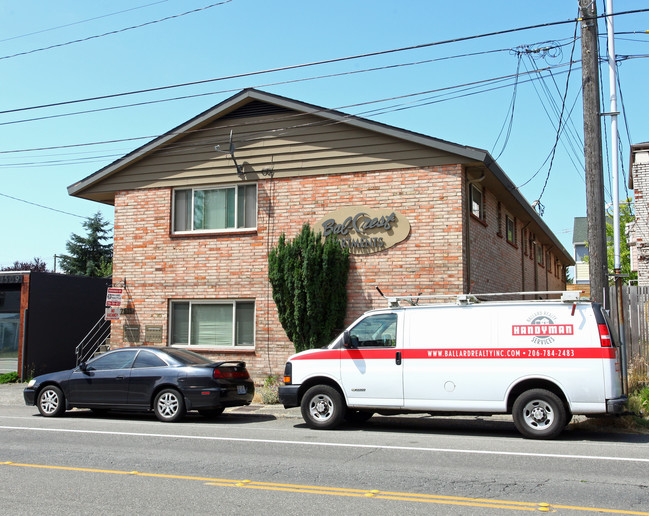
pixel 186 357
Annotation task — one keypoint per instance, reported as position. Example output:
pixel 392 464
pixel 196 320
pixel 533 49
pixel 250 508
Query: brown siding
pixel 299 146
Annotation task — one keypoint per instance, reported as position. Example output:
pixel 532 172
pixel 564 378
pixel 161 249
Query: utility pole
pixel 616 194
pixel 598 266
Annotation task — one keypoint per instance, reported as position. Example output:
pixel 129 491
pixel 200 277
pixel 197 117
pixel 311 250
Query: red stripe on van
pixel 459 353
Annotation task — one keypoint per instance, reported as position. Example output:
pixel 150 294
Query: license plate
pixel 241 389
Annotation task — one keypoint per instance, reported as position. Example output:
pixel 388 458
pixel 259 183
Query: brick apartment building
pixel 638 231
pixel 198 209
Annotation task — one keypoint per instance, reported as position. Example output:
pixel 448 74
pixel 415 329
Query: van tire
pixel 323 407
pixel 539 414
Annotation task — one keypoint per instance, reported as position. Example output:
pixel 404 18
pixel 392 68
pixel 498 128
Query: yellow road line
pixel 341 491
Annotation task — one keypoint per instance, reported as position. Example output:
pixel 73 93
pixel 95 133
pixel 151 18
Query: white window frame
pixel 234 229
pixel 230 302
pixel 480 215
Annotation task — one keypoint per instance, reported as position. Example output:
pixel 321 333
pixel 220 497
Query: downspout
pixel 467 243
pixel 547 267
pixel 523 244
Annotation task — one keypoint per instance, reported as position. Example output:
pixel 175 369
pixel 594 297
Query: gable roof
pixel 250 102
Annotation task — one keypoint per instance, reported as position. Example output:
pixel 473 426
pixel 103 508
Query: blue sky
pixel 56 52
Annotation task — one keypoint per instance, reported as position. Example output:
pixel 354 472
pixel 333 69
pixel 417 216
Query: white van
pixel 541 361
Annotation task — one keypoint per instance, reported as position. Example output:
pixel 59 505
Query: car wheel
pixel 169 405
pixel 51 401
pixel 211 413
pixel 539 414
pixel 323 407
pixel 358 416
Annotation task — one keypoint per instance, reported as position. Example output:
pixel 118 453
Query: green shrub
pixel 309 282
pixel 9 377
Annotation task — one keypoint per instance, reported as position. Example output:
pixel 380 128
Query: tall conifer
pixel 309 281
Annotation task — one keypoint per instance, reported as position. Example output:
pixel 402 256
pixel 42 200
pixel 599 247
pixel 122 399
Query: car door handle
pixel 398 358
pixel 119 378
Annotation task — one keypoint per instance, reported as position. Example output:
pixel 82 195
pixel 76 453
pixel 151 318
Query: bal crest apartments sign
pixel 365 230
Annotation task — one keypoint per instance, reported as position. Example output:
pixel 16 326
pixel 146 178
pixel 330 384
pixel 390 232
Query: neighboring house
pixel 580 244
pixel 43 317
pixel 194 222
pixel 638 233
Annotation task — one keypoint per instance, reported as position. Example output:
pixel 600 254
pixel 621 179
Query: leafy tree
pixel 90 255
pixel 626 216
pixel 37 265
pixel 309 282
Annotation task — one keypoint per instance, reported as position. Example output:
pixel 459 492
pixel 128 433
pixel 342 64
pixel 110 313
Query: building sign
pixel 113 303
pixel 365 230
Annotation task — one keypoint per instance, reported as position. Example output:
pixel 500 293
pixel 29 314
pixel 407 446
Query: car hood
pixel 57 376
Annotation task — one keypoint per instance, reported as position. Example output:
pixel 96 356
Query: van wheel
pixel 323 407
pixel 539 414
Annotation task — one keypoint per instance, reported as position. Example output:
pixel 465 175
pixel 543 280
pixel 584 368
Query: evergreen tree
pixel 90 255
pixel 309 282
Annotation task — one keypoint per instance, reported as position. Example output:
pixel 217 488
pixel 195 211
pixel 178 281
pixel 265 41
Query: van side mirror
pixel 349 342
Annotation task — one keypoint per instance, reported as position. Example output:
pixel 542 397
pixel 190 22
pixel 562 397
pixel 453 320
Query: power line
pixel 118 31
pixel 410 95
pixel 278 83
pixel 303 65
pixel 82 21
pixel 43 206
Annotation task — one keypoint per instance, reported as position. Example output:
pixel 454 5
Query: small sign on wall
pixel 153 334
pixel 132 333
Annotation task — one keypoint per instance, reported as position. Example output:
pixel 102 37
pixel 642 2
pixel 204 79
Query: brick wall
pixel 640 231
pixel 158 267
pixel 501 266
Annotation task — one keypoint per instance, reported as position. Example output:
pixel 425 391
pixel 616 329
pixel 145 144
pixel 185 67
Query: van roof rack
pixel 567 296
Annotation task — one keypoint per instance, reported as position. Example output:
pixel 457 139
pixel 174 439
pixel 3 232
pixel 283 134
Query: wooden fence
pixel 635 303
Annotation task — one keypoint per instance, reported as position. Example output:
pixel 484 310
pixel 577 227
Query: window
pixel 510 228
pixel 477 204
pixel 210 324
pixel 539 254
pixel 116 360
pixel 581 252
pixel 215 209
pixel 375 331
pixel 148 359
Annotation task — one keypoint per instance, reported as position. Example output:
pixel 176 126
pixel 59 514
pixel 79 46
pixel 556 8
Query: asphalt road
pixel 269 462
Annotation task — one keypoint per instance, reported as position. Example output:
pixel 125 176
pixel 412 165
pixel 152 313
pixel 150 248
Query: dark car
pixel 168 381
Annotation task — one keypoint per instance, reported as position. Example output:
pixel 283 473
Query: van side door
pixel 370 368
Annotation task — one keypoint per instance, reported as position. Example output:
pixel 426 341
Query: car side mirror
pixel 83 367
pixel 349 342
